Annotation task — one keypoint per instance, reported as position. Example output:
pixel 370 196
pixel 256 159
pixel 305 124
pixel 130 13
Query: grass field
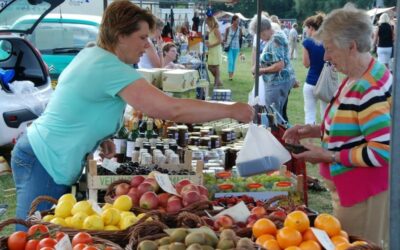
pixel 240 86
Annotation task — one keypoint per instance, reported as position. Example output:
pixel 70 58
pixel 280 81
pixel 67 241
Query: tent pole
pixel 257 73
pixel 394 215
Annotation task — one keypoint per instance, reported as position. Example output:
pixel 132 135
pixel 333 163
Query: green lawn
pixel 240 86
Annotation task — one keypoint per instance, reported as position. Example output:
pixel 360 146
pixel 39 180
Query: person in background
pixel 355 132
pixel 262 43
pixel 293 41
pixel 170 54
pixel 88 105
pixel 196 22
pixel 275 67
pixel 152 58
pixel 167 33
pixel 383 39
pixel 214 50
pixel 232 38
pixel 313 59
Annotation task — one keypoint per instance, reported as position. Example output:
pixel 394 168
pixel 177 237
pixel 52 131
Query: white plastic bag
pixel 260 99
pixel 29 95
pixel 261 152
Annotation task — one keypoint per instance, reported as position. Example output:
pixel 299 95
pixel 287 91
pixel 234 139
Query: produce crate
pixel 97 182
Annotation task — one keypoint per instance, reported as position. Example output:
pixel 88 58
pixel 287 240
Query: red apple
pixel 163 198
pixel 145 187
pixel 135 196
pixel 149 200
pixel 189 187
pixel 154 183
pixel 174 204
pixel 251 220
pixel 122 189
pixel 259 211
pixel 190 197
pixel 136 180
pixel 181 184
pixel 279 213
pixel 203 190
pixel 223 222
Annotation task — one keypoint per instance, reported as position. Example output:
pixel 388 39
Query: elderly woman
pixel 355 131
pixel 275 69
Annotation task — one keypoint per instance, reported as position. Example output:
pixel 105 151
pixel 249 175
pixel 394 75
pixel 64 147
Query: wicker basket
pixel 120 237
pixel 3 239
pixel 369 246
pixel 183 219
pixel 148 230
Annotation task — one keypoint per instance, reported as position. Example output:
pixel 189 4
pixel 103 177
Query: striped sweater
pixel 357 124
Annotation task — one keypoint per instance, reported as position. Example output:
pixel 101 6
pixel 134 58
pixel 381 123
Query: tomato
pixel 31 244
pixel 79 246
pixel 82 237
pixel 38 231
pixel 60 235
pixel 90 248
pixel 47 248
pixel 17 240
pixel 46 242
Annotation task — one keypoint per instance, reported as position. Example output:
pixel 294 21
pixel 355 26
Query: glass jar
pixel 183 135
pixel 215 142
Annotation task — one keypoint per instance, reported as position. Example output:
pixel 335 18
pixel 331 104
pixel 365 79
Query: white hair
pixel 265 24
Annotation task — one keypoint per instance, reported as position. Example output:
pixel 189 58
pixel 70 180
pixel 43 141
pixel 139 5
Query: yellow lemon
pixel 68 221
pixel 78 219
pixel 111 228
pixel 111 216
pixel 127 221
pixel 105 206
pixel 82 206
pixel 126 213
pixel 67 197
pixel 93 222
pixel 59 221
pixel 141 215
pixel 123 203
pixel 48 218
pixel 63 209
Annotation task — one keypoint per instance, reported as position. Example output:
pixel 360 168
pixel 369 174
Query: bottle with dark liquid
pixel 120 144
pixel 130 144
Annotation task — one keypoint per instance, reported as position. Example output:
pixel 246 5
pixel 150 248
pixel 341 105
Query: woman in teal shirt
pixel 87 107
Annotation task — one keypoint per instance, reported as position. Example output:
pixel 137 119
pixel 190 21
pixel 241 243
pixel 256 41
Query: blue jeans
pixel 31 180
pixel 277 93
pixel 232 56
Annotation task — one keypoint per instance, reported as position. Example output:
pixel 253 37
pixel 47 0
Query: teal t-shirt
pixel 84 110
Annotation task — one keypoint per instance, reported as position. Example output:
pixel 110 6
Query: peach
pixel 154 183
pixel 145 187
pixel 149 200
pixel 190 197
pixel 223 222
pixel 174 204
pixel 181 184
pixel 259 211
pixel 136 180
pixel 163 198
pixel 122 189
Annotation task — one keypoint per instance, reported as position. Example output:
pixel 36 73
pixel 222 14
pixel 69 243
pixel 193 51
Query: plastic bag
pixel 260 99
pixel 29 96
pixel 261 152
pixel 327 83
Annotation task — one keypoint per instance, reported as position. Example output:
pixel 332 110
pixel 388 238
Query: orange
pixel 288 236
pixel 271 245
pixel 264 226
pixel 263 238
pixel 309 235
pixel 310 245
pixel 344 234
pixel 338 239
pixel 342 246
pixel 297 220
pixel 328 223
pixel 293 248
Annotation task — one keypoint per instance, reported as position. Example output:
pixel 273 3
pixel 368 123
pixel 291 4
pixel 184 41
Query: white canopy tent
pixel 377 11
pixel 220 14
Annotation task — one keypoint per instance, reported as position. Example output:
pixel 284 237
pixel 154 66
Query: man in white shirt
pixel 293 41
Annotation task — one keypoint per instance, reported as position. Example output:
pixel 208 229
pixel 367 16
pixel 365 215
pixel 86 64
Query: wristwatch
pixel 333 157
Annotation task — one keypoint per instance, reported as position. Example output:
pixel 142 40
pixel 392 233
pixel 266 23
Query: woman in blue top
pixel 87 107
pixel 232 38
pixel 313 58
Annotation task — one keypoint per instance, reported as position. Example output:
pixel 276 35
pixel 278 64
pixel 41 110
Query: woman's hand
pixel 242 112
pixel 208 44
pixel 294 134
pixel 314 154
pixel 107 148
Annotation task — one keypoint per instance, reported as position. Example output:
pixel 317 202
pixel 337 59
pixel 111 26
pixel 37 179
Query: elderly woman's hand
pixel 314 154
pixel 107 148
pixel 242 112
pixel 294 134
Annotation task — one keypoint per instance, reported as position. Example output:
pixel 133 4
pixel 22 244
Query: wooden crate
pixel 97 182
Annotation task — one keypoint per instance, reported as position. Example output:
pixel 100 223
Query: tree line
pixel 297 9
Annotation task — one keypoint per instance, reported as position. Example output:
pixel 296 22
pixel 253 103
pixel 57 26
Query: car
pixel 21 61
pixel 60 37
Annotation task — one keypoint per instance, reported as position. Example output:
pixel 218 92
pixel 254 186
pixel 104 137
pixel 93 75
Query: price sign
pixel 165 183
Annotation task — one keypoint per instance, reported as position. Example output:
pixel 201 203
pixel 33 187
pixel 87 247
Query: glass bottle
pixel 120 144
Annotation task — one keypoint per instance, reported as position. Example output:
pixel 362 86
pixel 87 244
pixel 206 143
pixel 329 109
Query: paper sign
pixel 323 238
pixel 239 212
pixel 110 165
pixel 165 183
pixel 64 244
pixel 95 207
pixel 38 215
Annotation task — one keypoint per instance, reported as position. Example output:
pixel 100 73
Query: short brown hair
pixel 167 47
pixel 121 18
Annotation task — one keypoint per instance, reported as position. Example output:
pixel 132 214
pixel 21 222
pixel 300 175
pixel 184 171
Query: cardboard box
pixel 179 80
